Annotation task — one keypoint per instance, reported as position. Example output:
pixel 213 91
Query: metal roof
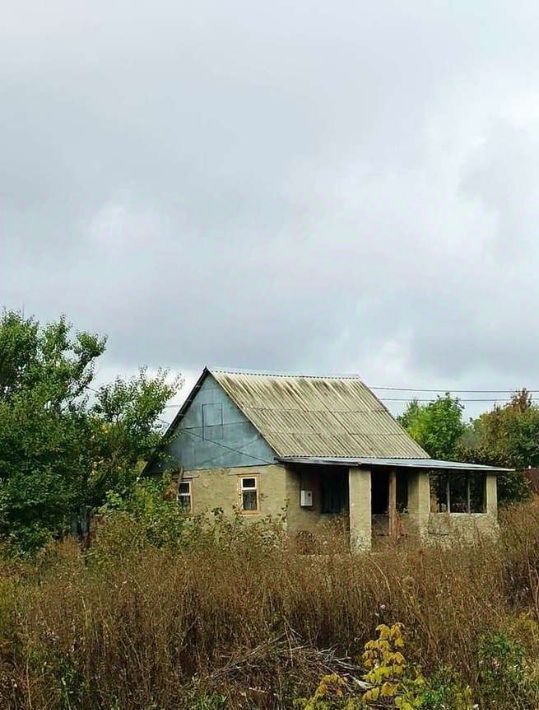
pixel 306 415
pixel 427 463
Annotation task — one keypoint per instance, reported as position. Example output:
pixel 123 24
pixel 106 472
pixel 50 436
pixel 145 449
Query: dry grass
pixel 243 621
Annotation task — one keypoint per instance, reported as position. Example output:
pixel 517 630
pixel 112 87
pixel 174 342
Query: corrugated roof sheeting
pixel 433 464
pixel 318 416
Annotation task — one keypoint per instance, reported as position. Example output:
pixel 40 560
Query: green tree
pixel 436 426
pixel 63 445
pixel 506 436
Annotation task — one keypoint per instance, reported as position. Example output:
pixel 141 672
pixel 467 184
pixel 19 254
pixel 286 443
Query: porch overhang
pixel 369 462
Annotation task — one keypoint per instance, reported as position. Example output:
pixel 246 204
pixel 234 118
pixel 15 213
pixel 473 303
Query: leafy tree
pixel 506 436
pixel 63 445
pixel 436 426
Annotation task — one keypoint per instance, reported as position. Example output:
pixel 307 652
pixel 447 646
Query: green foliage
pixel 149 515
pixel 436 426
pixel 145 515
pixel 506 436
pixel 505 678
pixel 62 444
pixel 445 690
pixel 214 701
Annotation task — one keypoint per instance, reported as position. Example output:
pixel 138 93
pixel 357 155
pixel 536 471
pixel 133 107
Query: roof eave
pixel 366 462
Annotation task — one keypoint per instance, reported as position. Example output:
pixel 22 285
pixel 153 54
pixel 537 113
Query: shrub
pixel 504 677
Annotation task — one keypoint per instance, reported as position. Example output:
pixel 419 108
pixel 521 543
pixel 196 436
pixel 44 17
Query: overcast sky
pixel 305 186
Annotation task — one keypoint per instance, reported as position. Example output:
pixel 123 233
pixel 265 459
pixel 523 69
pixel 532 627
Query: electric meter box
pixel 306 499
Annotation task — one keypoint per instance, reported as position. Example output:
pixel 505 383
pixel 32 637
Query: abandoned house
pixel 317 448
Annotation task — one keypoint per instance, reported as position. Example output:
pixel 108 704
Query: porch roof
pixel 366 462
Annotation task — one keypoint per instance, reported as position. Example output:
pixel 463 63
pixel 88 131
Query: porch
pixel 388 500
pixel 370 507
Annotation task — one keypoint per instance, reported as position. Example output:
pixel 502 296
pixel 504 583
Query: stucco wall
pixel 311 519
pixel 220 488
pixel 279 490
pixel 444 527
pixel 298 518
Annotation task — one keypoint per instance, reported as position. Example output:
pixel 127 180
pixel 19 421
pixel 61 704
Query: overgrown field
pixel 161 613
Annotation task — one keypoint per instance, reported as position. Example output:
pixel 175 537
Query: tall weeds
pixel 229 615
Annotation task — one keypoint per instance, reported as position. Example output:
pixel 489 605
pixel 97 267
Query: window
pixel 457 492
pixel 249 494
pixel 184 496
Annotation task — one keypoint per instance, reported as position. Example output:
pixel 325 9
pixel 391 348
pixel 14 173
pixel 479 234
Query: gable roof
pixel 309 416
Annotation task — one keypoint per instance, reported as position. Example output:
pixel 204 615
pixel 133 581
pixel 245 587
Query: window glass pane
pixel 184 502
pixel 477 493
pixel 249 500
pixel 458 492
pixel 184 488
pixel 248 483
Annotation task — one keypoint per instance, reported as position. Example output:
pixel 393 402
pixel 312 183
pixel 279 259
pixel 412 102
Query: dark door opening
pixel 334 492
pixel 379 492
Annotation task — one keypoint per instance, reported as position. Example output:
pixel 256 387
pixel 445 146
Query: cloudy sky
pixel 341 186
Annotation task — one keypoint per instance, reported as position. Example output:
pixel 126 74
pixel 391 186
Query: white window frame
pixel 188 495
pixel 249 489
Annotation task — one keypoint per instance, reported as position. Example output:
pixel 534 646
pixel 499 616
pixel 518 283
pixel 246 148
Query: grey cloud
pixel 289 186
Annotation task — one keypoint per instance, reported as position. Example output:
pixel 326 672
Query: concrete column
pixel 392 505
pixel 491 495
pixel 359 481
pixel 419 502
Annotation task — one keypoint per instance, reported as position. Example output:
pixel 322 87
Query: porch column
pixel 491 492
pixel 419 501
pixel 392 505
pixel 359 481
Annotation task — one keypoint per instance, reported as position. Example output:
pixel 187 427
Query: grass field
pixel 232 616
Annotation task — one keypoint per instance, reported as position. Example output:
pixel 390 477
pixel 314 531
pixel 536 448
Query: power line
pixel 461 399
pixel 450 390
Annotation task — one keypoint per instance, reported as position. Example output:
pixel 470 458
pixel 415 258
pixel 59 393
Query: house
pixel 317 448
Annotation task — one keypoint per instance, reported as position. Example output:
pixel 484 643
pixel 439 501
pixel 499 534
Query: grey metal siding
pixel 214 433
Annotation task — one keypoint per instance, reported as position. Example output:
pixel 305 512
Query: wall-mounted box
pixel 306 499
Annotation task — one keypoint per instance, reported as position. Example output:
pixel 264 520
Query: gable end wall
pixel 233 443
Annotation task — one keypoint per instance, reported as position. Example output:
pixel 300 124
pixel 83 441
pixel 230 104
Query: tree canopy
pixel 64 443
pixel 436 426
pixel 506 436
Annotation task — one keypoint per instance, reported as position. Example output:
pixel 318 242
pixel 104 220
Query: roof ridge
pixel 269 373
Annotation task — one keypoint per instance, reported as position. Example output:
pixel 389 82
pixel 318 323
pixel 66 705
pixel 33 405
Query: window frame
pixel 188 495
pixel 468 476
pixel 249 489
